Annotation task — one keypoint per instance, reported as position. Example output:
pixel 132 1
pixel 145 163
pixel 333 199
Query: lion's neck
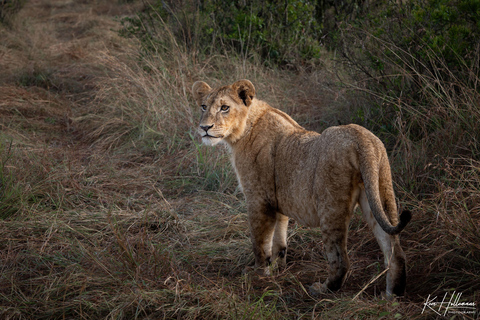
pixel 263 125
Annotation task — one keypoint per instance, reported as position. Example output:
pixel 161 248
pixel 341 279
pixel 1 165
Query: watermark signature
pixel 449 304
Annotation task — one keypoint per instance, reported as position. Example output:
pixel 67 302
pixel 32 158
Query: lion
pixel 317 179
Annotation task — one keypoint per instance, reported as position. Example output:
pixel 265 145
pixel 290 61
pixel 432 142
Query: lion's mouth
pixel 210 140
pixel 210 136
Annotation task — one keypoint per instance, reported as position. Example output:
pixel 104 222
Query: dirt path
pixel 50 66
pixel 53 66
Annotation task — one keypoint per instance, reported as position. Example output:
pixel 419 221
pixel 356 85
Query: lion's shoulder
pixel 266 118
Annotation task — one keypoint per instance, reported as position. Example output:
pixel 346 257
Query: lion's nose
pixel 206 128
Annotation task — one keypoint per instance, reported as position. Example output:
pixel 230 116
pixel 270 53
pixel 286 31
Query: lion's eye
pixel 204 107
pixel 225 108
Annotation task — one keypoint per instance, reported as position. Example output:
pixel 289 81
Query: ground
pixel 108 212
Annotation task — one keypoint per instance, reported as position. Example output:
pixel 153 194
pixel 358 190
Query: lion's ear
pixel 200 89
pixel 245 91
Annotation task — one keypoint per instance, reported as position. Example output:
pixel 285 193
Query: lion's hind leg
pixel 279 245
pixel 335 240
pixel 394 257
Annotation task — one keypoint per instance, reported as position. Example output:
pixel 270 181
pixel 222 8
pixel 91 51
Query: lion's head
pixel 224 110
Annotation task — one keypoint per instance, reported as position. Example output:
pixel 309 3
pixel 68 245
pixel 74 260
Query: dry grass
pixel 112 209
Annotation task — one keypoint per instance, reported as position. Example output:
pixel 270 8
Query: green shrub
pixel 280 31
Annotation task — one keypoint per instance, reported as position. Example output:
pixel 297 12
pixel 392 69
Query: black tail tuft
pixel 405 217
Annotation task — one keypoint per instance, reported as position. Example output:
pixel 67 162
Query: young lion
pixel 316 179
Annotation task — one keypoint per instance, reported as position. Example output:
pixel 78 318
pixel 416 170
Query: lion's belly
pixel 318 201
pixel 298 200
pixel 304 213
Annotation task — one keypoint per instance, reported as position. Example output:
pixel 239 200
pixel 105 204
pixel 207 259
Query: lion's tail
pixel 378 179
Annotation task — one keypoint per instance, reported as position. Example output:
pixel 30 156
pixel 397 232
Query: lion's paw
pixel 317 288
pixel 262 272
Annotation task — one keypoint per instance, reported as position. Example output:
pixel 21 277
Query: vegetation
pixel 8 9
pixel 111 208
pixel 270 28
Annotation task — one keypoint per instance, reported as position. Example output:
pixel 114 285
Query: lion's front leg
pixel 262 221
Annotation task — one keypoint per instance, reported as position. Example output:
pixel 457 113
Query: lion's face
pixel 224 110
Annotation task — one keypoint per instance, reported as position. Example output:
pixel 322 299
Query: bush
pixel 280 31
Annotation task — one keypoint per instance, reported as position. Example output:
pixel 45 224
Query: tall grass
pixel 9 190
pixel 121 213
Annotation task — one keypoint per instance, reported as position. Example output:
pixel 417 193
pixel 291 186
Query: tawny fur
pixel 316 179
